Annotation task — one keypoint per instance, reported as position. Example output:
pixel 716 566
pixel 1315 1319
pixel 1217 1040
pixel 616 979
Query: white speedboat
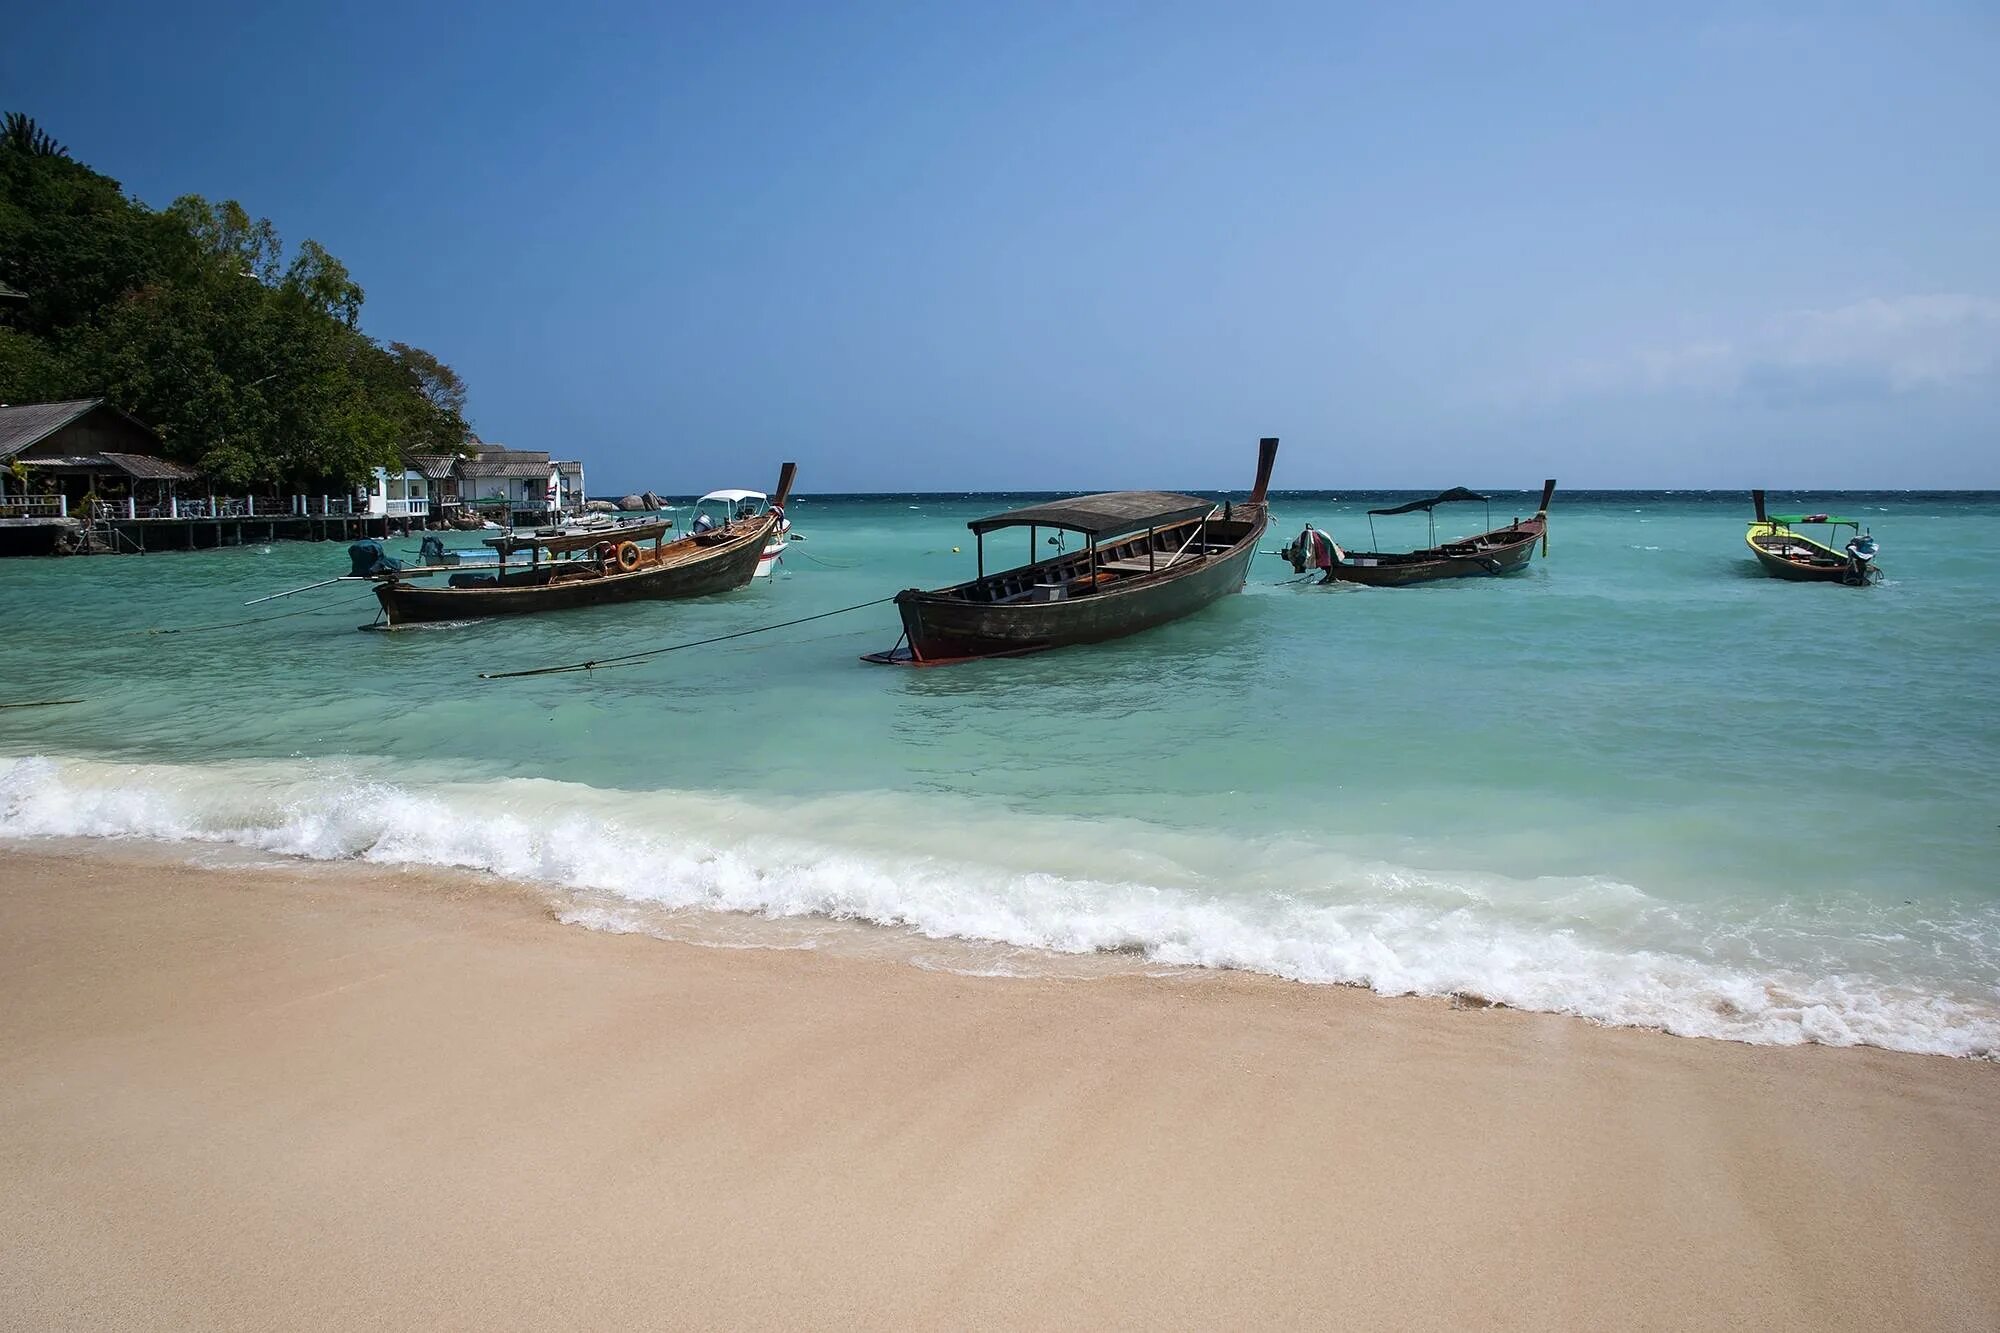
pixel 720 508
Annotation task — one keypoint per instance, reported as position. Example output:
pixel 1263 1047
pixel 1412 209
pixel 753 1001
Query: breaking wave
pixel 1841 972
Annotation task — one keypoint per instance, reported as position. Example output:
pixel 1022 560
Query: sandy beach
pixel 311 1098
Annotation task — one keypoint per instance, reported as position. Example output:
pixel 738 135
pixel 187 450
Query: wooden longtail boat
pixel 726 505
pixel 594 569
pixel 1148 557
pixel 1791 555
pixel 1500 551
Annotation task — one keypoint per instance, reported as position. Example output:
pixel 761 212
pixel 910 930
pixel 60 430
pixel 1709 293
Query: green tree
pixel 252 365
pixel 226 235
pixel 31 371
pixel 24 136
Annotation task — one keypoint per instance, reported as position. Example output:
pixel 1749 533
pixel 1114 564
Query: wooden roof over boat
pixel 1101 515
pixel 565 542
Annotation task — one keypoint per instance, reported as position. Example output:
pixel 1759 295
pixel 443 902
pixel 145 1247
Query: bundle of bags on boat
pixel 367 559
pixel 1313 550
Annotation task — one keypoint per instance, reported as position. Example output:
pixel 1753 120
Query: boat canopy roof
pixel 1454 494
pixel 565 542
pixel 733 497
pixel 1835 519
pixel 1101 515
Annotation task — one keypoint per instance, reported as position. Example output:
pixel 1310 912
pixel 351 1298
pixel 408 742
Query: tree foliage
pixel 250 363
pixel 23 135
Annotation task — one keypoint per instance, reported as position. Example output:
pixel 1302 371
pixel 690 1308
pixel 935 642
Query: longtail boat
pixel 1787 554
pixel 719 507
pixel 1148 557
pixel 1505 550
pixel 593 569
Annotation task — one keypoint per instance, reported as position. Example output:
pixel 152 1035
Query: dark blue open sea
pixel 1640 783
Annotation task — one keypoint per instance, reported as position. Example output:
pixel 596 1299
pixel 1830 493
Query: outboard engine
pixel 1295 554
pixel 367 559
pixel 1861 552
pixel 432 551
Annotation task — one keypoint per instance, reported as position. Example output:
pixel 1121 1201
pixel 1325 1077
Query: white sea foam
pixel 1923 981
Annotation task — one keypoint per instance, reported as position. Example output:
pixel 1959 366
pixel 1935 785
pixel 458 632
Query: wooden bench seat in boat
pixel 1136 564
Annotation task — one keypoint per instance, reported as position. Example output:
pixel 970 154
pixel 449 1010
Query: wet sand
pixel 356 1097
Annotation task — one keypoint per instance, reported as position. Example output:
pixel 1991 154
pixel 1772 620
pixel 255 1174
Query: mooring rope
pixel 627 659
pixel 258 620
pixel 42 703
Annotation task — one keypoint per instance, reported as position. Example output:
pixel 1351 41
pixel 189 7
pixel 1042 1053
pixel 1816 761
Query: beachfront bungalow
pixel 439 473
pixel 84 476
pixel 519 485
pixel 56 457
pixel 398 493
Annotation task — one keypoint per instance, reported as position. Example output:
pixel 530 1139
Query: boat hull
pixel 1510 557
pixel 1829 567
pixel 774 550
pixel 722 568
pixel 941 628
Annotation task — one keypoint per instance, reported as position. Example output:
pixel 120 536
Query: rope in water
pixel 260 620
pixel 627 659
pixel 42 703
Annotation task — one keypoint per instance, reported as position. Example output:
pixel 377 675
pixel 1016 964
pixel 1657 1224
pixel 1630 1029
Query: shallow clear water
pixel 1641 782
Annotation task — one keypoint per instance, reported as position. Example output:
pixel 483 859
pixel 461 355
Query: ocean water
pixel 1641 783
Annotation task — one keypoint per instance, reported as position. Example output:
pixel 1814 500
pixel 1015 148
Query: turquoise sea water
pixel 1641 782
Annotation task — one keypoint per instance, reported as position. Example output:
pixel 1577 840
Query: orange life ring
pixel 628 556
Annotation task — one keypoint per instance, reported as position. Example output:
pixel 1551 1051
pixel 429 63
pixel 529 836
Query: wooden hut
pixel 56 456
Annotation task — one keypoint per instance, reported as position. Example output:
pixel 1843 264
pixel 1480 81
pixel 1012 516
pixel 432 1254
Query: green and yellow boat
pixel 1788 554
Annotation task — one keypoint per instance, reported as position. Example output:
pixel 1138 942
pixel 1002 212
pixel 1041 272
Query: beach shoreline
pixel 355 1096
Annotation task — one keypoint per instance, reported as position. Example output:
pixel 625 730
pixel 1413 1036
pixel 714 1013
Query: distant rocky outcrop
pixel 600 507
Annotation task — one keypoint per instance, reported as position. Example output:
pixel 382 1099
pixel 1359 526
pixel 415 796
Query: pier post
pixel 132 507
pixel 250 506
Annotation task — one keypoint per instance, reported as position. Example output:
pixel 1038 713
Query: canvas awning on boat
pixel 1453 495
pixel 1110 513
pixel 1789 519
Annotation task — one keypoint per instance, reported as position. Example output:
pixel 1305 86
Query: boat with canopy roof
pixel 1504 550
pixel 591 568
pixel 1149 557
pixel 720 507
pixel 1788 554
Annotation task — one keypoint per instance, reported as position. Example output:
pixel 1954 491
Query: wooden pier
pixel 121 530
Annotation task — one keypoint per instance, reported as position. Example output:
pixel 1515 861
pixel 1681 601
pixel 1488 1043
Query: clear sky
pixel 966 246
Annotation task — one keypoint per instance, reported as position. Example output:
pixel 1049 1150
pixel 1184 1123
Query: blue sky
pixel 968 246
